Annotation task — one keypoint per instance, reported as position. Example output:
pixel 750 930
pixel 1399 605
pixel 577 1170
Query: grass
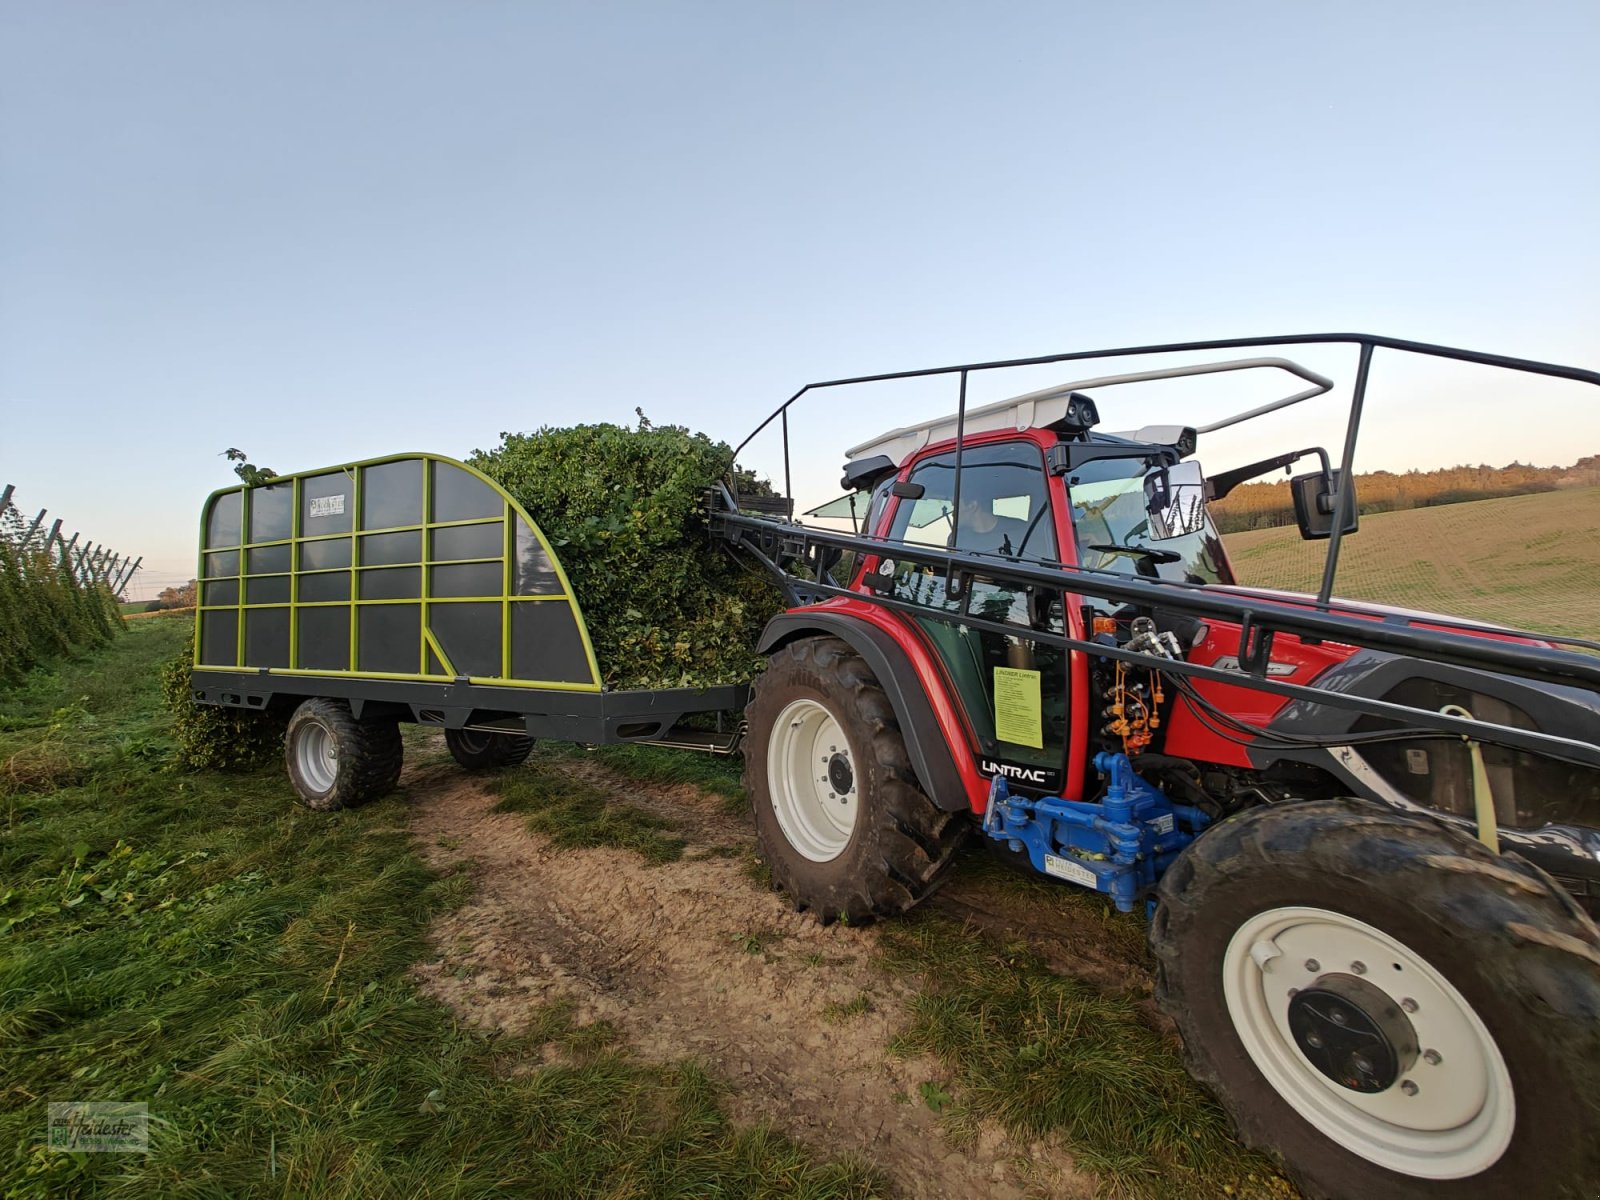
pixel 835 1010
pixel 714 774
pixel 202 944
pixel 1047 1054
pixel 1522 560
pixel 575 814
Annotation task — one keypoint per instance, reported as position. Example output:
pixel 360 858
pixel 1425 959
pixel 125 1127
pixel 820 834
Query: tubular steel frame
pixel 778 544
pixel 1366 342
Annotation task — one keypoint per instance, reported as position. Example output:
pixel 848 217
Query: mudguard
pixel 925 742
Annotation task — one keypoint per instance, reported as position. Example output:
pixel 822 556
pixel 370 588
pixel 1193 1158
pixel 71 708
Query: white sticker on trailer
pixel 1065 868
pixel 327 506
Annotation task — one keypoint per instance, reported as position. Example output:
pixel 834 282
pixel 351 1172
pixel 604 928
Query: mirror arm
pixel 1220 484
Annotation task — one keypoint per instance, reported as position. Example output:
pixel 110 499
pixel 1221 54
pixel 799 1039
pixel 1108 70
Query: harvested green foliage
pixel 217 739
pixel 624 511
pixel 1047 1054
pixel 241 965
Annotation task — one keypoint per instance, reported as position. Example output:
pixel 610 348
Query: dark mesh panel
pixel 380 548
pixel 334 585
pixel 458 496
pixel 391 494
pixel 271 513
pixel 469 634
pixel 545 645
pixel 327 504
pixel 391 583
pixel 390 637
pixel 266 637
pixel 468 541
pixel 222 529
pixel 223 591
pixel 267 560
pixel 225 563
pixel 219 638
pixel 267 589
pixel 320 556
pixel 466 579
pixel 323 639
pixel 536 574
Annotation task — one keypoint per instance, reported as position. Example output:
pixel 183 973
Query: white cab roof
pixel 1035 410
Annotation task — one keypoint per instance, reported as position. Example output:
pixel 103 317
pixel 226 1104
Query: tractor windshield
pixel 1136 519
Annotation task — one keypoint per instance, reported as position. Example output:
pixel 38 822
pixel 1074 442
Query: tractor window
pixel 1005 508
pixel 1131 519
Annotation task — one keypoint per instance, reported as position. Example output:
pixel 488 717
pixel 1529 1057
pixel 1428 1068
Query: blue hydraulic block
pixel 1118 845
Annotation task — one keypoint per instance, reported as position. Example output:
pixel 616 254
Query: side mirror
pixel 907 490
pixel 1175 499
pixel 1313 505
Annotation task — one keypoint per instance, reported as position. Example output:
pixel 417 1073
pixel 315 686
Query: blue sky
pixel 337 230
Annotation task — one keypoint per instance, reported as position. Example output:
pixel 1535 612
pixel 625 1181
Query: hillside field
pixel 1523 560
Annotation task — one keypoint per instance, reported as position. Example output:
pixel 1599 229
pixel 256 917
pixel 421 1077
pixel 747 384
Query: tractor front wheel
pixel 843 825
pixel 1384 1005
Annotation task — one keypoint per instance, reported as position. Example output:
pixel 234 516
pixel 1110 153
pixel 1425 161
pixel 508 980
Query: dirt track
pixel 694 959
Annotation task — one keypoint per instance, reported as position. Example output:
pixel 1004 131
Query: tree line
pixel 1268 504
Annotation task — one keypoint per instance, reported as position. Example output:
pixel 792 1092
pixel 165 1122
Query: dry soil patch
pixel 693 959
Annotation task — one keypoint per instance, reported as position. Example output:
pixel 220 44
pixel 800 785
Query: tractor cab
pixel 1029 480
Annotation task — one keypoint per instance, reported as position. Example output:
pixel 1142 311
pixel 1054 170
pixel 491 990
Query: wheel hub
pixel 1352 1032
pixel 840 777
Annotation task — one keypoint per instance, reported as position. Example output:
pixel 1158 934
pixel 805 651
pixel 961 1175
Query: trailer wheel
pixel 478 750
pixel 336 761
pixel 842 823
pixel 1384 1005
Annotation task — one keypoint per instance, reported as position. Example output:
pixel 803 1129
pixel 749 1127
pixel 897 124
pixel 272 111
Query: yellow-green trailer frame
pixel 510 514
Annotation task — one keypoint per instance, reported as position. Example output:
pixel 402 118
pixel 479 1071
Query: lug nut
pixel 1313 965
pixel 1409 1087
pixel 1360 968
pixel 1432 1057
pixel 1338 1016
pixel 1409 1004
pixel 1314 1041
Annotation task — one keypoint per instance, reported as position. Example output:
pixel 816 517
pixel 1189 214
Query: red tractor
pixel 1367 837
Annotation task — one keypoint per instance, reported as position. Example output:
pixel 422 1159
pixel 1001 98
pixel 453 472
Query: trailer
pixel 1368 840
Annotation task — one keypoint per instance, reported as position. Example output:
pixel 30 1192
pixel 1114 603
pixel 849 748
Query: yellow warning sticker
pixel 1018 716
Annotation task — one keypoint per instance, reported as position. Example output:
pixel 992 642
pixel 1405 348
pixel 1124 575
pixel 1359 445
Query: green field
pixel 200 943
pixel 1525 560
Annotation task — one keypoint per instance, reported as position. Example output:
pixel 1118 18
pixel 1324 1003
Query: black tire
pixel 1506 937
pixel 901 846
pixel 366 756
pixel 477 750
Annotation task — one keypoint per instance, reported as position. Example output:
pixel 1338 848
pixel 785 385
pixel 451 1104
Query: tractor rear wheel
pixel 479 750
pixel 336 761
pixel 1384 1005
pixel 842 822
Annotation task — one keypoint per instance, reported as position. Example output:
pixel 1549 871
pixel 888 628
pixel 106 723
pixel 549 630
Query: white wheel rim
pixel 316 753
pixel 806 744
pixel 1450 1115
